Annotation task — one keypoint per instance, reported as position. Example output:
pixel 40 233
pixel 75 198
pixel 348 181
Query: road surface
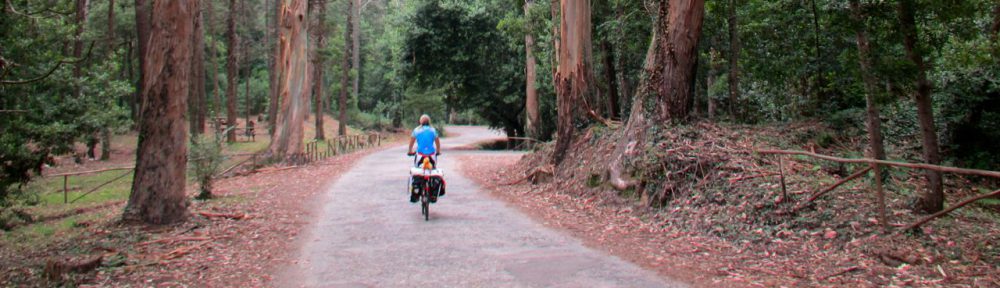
pixel 369 235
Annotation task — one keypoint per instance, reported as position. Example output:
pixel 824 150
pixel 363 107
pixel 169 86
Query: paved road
pixel 369 235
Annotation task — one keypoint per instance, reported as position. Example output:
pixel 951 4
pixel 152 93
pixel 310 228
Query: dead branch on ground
pixel 233 216
pixel 831 187
pixel 176 253
pixel 178 239
pixel 952 208
pixel 939 168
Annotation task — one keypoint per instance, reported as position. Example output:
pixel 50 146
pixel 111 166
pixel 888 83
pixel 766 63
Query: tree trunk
pixel 932 199
pixel 157 195
pixel 609 76
pixel 623 80
pixel 674 80
pixel 196 98
pixel 81 23
pixel 292 69
pixel 345 72
pixel 272 111
pixel 531 101
pixel 213 55
pixel 106 131
pixel 734 65
pixel 871 90
pixel 356 46
pixel 554 11
pixel 668 71
pixel 111 28
pixel 319 95
pixel 105 144
pixel 232 71
pixel 573 72
pixel 142 27
pixel 819 77
pixel 714 63
pixel 871 85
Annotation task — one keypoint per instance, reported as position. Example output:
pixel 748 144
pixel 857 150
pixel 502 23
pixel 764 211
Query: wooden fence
pixel 875 165
pixel 313 152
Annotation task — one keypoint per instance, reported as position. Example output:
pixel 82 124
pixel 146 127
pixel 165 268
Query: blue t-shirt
pixel 425 135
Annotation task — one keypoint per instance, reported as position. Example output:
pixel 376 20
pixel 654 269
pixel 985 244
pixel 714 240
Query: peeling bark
pixel 573 73
pixel 292 72
pixel 668 71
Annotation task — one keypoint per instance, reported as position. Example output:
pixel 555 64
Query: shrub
pixel 205 158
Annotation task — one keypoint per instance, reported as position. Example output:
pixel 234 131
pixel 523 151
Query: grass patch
pixel 50 190
pixel 43 234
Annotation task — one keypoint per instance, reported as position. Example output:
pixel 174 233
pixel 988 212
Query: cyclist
pixel 428 144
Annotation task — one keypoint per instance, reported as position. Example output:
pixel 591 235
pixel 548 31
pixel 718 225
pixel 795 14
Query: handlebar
pixel 415 154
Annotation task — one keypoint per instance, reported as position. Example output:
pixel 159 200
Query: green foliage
pixel 205 158
pixel 430 102
pixel 48 116
pixel 458 47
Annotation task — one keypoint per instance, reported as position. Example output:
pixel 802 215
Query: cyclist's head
pixel 425 120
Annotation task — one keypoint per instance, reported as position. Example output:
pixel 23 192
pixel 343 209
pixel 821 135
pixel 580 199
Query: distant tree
pixel 161 158
pixel 319 66
pixel 196 100
pixel 734 60
pixel 232 71
pixel 345 70
pixel 81 23
pixel 531 94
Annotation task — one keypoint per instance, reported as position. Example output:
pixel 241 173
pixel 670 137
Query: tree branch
pixel 49 73
pixel 952 208
pixel 984 173
pixel 831 187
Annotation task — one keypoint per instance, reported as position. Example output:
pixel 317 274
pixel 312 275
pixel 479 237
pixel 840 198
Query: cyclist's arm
pixel 437 141
pixel 410 150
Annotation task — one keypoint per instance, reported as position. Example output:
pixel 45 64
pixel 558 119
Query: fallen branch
pixel 952 208
pixel 55 270
pixel 177 239
pixel 841 272
pixel 176 253
pixel 939 168
pixel 598 118
pixel 278 169
pixel 233 216
pixel 831 187
pixel 738 179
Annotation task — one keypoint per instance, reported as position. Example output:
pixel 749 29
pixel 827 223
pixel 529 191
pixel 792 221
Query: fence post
pixel 65 189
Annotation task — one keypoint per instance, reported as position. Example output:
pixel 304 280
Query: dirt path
pixel 368 235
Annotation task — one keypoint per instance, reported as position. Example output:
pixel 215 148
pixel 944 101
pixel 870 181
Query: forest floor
pixel 727 224
pixel 237 237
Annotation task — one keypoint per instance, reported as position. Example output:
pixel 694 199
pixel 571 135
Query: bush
pixel 205 157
